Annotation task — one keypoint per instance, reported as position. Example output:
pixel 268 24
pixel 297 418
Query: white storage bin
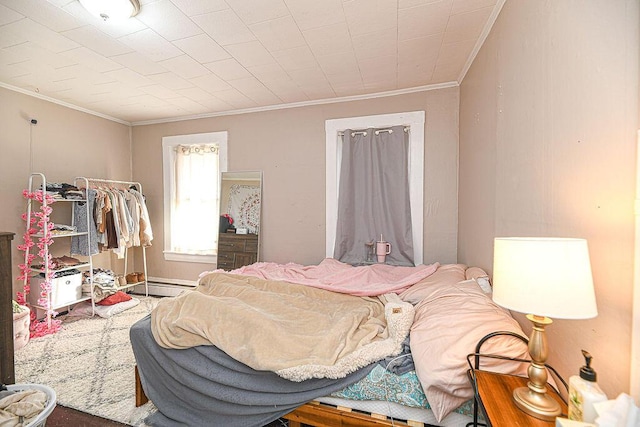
pixel 64 290
pixel 41 419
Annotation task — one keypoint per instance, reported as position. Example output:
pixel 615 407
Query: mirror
pixel 240 212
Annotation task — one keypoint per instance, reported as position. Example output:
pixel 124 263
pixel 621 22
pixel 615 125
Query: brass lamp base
pixel 534 399
pixel 538 405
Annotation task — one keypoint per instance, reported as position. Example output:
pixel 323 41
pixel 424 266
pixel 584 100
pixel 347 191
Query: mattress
pixel 399 396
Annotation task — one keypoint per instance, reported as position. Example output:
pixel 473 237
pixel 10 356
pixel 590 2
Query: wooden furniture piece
pixel 497 389
pixel 141 397
pixel 7 373
pixel 494 395
pixel 237 250
pixel 320 415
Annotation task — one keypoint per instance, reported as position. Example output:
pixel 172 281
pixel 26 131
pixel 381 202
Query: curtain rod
pixel 377 131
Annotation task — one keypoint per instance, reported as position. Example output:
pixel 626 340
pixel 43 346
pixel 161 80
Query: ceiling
pixel 198 58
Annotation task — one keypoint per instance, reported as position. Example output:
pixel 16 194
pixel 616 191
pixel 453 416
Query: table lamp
pixel 544 278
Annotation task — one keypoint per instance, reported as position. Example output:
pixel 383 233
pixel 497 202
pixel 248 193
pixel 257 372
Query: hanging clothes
pixel 135 211
pixel 146 234
pixel 126 223
pixel 122 220
pixel 80 244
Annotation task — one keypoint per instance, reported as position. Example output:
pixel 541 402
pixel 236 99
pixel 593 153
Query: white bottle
pixel 584 392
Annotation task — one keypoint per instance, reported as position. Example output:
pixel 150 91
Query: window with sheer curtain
pixel 196 198
pixel 193 164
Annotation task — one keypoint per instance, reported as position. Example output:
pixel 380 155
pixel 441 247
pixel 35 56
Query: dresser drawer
pixel 243 259
pixel 230 245
pixel 251 245
pixel 225 256
pixel 225 265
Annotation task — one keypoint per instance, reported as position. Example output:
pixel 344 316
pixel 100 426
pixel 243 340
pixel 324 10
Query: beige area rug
pixel 89 363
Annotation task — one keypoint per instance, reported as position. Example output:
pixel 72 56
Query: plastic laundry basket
pixel 41 419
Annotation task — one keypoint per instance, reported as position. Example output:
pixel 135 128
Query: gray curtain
pixel 373 197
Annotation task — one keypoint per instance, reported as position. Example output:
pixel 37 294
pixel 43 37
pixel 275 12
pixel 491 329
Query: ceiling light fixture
pixel 112 10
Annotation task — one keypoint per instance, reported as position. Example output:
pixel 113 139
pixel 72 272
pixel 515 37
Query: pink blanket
pixel 333 275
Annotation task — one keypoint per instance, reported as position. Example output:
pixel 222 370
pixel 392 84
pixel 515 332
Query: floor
pixel 67 417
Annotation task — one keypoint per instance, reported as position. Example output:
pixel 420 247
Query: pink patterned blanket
pixel 333 275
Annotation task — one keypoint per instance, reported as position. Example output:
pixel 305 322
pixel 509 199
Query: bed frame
pixel 318 414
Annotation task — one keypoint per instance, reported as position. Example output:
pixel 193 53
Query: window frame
pixel 415 121
pixel 168 173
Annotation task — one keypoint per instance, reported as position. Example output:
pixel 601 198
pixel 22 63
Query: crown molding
pixel 483 36
pixel 300 104
pixel 62 103
pixel 239 111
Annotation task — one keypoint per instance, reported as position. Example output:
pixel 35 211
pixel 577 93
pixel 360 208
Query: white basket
pixel 41 419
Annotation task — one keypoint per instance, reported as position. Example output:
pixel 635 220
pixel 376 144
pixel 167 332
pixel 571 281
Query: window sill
pixel 183 257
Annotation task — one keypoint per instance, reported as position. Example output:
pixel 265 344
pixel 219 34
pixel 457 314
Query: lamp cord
pixel 386 384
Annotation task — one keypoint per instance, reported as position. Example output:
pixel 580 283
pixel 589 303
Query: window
pixel 415 122
pixel 192 165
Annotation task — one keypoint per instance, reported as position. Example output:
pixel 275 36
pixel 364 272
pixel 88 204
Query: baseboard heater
pixel 163 287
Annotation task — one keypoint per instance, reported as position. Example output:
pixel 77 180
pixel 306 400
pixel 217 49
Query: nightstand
pixel 494 396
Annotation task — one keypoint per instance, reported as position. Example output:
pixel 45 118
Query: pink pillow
pixel 474 273
pixel 115 299
pixel 448 324
pixel 445 275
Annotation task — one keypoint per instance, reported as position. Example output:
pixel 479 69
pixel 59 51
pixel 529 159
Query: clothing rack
pixel 95 183
pixel 111 182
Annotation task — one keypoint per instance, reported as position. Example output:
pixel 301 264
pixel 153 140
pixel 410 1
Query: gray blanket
pixel 204 386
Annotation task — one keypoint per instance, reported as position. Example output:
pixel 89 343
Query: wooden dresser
pixel 6 310
pixel 236 250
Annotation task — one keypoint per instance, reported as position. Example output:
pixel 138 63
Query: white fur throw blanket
pixel 297 331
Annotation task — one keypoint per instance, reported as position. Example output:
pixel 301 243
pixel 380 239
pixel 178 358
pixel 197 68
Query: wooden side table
pixel 7 373
pixel 494 395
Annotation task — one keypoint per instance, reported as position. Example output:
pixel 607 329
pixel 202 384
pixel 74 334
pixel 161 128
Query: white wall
pixel 65 143
pixel 548 120
pixel 289 147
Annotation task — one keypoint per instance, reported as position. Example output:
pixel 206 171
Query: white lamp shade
pixel 544 276
pixel 112 10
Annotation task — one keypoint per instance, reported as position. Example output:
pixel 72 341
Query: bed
pixel 377 344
